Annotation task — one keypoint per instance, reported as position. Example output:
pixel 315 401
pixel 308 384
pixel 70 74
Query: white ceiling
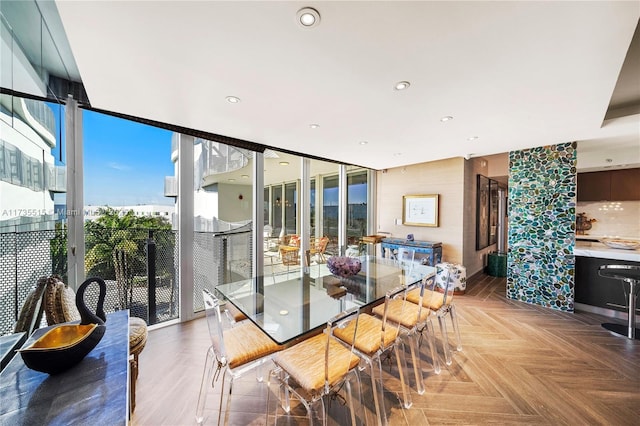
pixel 514 74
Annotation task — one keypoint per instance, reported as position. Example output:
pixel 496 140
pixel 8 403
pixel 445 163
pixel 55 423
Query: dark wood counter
pixel 95 391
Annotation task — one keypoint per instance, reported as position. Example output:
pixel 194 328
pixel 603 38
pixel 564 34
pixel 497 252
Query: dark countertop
pixel 95 391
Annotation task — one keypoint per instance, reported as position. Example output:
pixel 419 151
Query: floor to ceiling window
pixel 126 211
pixel 290 207
pixel 276 210
pixel 357 212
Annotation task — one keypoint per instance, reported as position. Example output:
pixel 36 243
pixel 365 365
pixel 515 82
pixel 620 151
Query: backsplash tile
pixel 542 201
pixel 613 218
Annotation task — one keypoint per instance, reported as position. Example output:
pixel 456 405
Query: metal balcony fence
pixel 125 259
pixel 220 257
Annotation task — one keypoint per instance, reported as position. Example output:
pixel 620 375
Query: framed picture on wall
pixel 420 210
pixel 482 212
pixel 486 212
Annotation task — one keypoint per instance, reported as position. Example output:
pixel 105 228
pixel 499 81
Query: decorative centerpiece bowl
pixel 618 243
pixel 65 345
pixel 344 266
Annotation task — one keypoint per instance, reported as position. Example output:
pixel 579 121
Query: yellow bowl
pixel 62 347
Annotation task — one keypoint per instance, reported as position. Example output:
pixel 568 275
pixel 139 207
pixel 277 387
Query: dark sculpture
pixel 65 345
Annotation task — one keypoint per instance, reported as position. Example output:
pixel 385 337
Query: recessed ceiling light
pixel 232 99
pixel 314 126
pixel 284 163
pixel 401 85
pixel 308 17
pixel 231 180
pixel 245 176
pixel 363 142
pixel 446 118
pixel 472 138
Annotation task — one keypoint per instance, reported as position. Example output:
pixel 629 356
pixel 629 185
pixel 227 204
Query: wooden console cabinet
pixel 427 252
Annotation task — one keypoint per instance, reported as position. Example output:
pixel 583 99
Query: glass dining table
pixel 289 310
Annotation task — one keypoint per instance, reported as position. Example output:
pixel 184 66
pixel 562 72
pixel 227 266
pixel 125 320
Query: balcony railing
pixel 220 158
pixel 56 178
pixel 170 186
pixel 144 280
pixel 43 115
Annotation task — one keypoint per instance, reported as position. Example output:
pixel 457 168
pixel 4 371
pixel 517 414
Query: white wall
pixel 230 207
pixel 205 204
pixel 16 200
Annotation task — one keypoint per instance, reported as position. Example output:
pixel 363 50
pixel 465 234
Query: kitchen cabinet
pixel 594 290
pixel 611 185
pixel 625 184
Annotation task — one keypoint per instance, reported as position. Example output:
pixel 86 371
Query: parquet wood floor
pixel 520 364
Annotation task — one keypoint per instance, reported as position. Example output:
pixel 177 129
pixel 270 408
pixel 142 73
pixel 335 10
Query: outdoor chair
pixel 289 257
pixel 317 247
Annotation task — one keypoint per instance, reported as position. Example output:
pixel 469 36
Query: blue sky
pixel 125 162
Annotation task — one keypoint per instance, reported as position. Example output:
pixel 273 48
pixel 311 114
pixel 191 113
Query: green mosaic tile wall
pixel 542 209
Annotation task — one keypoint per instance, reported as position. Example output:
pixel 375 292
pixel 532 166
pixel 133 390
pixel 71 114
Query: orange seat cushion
pixel 431 299
pixel 245 343
pixel 403 313
pixel 305 362
pixel 368 335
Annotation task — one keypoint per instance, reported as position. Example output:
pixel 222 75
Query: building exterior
pixel 166 211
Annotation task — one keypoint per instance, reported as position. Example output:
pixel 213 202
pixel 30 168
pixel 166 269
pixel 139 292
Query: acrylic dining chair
pixel 413 321
pixel 377 337
pixel 317 367
pixel 405 258
pixel 233 314
pixel 234 351
pixel 438 298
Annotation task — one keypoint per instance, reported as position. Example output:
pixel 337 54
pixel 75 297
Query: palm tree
pixel 115 248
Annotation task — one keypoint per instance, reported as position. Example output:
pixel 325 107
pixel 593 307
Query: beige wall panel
pixel 498 165
pixel 445 178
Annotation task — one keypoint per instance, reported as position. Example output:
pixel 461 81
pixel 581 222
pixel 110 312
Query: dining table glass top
pixel 290 306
